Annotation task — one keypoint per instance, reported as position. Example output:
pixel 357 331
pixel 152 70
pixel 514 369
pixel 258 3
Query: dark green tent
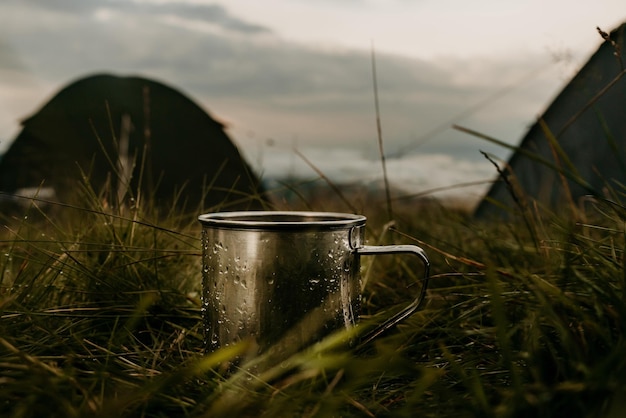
pixel 135 136
pixel 588 120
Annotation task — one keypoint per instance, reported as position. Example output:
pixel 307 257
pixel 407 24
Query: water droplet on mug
pixel 217 247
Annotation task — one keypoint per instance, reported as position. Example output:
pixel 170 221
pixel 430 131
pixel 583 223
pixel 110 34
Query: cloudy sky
pixel 297 74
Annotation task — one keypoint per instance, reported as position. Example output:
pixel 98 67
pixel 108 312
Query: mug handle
pixel 413 306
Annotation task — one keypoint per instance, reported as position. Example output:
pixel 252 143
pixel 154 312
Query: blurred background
pixel 293 79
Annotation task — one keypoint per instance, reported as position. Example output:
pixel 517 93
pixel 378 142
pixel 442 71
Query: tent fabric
pixel 168 144
pixel 590 127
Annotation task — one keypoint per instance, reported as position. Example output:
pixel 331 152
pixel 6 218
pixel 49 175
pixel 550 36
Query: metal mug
pixel 286 279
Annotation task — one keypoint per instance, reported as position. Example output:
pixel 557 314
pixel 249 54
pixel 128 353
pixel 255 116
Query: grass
pixel 100 316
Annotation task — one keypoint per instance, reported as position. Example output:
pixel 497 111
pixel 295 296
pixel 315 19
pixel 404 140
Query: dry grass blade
pixel 379 132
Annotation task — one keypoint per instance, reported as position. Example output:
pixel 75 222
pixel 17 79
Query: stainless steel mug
pixel 286 279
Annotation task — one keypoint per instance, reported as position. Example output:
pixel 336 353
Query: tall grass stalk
pixel 379 132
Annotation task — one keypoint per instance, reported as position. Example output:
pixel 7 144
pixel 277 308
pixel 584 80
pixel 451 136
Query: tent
pixel 588 121
pixel 134 136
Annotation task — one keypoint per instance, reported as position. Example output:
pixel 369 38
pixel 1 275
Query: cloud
pixel 265 87
pixel 196 12
pixel 75 7
pixel 430 175
pixel 9 58
pixel 209 13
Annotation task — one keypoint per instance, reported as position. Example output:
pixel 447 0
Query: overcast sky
pixel 297 74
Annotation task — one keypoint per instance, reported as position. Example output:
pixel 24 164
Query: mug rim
pixel 271 220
